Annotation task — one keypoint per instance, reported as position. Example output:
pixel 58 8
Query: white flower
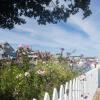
pixel 41 72
pixel 27 74
pixel 18 76
pixel 44 62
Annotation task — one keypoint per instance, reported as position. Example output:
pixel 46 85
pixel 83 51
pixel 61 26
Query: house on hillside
pixel 7 51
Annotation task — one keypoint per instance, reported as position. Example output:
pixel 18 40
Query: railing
pixel 80 88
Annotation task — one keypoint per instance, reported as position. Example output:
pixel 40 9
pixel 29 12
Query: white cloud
pixel 54 36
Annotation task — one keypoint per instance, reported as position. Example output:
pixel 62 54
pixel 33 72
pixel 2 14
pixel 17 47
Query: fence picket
pixel 55 94
pixel 66 91
pixel 61 93
pixel 78 90
pixel 46 97
pixel 76 93
pixel 73 90
pixel 34 99
pixel 70 90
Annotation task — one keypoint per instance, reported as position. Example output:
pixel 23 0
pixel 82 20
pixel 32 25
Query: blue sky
pixel 82 35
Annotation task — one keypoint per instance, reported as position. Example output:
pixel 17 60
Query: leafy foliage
pixel 19 84
pixel 13 12
pixel 22 57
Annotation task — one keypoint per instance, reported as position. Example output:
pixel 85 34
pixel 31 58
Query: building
pixel 7 51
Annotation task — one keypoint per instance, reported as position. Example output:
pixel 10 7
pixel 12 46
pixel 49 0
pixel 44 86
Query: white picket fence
pixel 80 88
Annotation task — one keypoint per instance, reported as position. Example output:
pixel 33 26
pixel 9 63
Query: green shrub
pixel 18 84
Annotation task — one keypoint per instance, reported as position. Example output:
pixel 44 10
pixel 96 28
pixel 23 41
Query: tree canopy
pixel 13 12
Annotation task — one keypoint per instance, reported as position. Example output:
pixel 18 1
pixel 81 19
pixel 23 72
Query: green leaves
pixel 13 12
pixel 19 84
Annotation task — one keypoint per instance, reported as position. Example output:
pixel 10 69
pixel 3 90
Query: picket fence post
pixel 73 90
pixel 46 97
pixel 55 94
pixel 70 90
pixel 34 99
pixel 61 93
pixel 66 91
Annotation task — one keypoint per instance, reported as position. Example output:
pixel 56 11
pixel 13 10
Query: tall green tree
pixel 13 12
